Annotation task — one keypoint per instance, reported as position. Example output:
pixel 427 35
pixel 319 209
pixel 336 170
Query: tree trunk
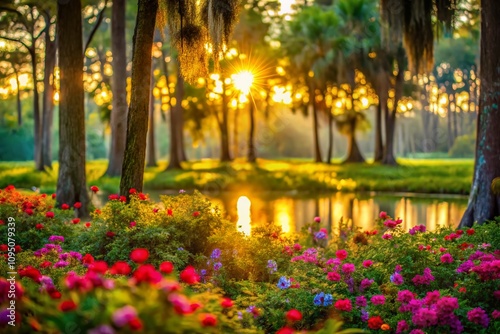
pixel 137 121
pixel 119 87
pixel 236 144
pixel 390 121
pixel 379 146
pixel 151 144
pixel 48 100
pixel 353 152
pixel 251 156
pixel 484 200
pixel 223 126
pixel 450 130
pixel 426 121
pixel 18 102
pixel 317 149
pixel 175 113
pixel 37 119
pixel 455 124
pixel 180 119
pixel 330 138
pixel 71 182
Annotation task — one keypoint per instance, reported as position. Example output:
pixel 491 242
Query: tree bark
pixel 175 113
pixel 353 152
pixel 119 87
pixel 180 120
pixel 37 119
pixel 330 138
pixel 379 146
pixel 18 102
pixel 137 121
pixel 236 144
pixel 71 182
pixel 390 121
pixel 151 144
pixel 225 155
pixel 48 100
pixel 450 130
pixel 484 200
pixel 317 149
pixel 252 155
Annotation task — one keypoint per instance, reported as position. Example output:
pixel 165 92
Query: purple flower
pixel 320 235
pixel 378 300
pixel 56 238
pixel 361 301
pixel 364 315
pixel 76 255
pixel 63 256
pixel 397 279
pixel 284 283
pixel 217 266
pixel 402 327
pixel 215 254
pixel 365 284
pixel 46 282
pixel 123 315
pixel 465 267
pixel 273 267
pixel 478 316
pixel 61 264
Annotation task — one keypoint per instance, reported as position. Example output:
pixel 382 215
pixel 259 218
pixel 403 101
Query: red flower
pixel 29 212
pixel 375 322
pixel 39 226
pixel 471 231
pixel 460 232
pixel 97 212
pixel 17 249
pixel 45 264
pixel 87 259
pixel 139 255
pixel 226 303
pixel 75 220
pixel 132 191
pixel 49 214
pixel 293 315
pixel 143 197
pixel 133 224
pixel 32 273
pixel 67 305
pixel 114 197
pixel 189 275
pixel 166 267
pixel 4 247
pixel 196 213
pixel 462 289
pixel 147 273
pixel 54 294
pixel 343 305
pixel 94 189
pixel 65 206
pixel 208 320
pixel 53 196
pixel 341 254
pixel 194 306
pixel 77 205
pixel 120 268
pixel 285 330
pixel 87 224
pixel 98 267
pixel 123 199
pixel 170 212
pixel 135 324
pixel 110 234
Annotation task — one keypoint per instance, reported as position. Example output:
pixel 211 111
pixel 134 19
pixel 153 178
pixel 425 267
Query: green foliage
pixel 463 147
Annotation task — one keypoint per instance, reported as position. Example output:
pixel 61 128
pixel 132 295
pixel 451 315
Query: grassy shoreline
pixel 413 176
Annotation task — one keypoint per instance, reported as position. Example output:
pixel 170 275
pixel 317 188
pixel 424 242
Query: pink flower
pixel 383 215
pixel 365 284
pixel 390 224
pixel 425 317
pixel 367 263
pixel 348 268
pixel 378 300
pixel 478 316
pixel 402 327
pixel 317 219
pixel 124 315
pixel 132 224
pixel 333 276
pixel 341 254
pixel 447 258
pixel 495 314
pixel 387 236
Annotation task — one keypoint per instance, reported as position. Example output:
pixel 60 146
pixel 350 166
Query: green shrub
pixel 463 147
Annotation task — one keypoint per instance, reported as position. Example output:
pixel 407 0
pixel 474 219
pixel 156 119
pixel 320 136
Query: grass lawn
pixel 424 176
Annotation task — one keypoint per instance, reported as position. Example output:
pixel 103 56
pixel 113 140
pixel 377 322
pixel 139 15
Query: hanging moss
pixel 190 42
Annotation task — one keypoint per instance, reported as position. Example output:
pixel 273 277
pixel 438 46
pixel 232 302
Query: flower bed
pixel 179 267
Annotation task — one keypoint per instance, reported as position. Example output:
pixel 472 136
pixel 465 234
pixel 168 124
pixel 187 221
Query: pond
pixel 294 210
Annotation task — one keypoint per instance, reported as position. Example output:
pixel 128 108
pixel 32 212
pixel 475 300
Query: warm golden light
pixel 243 81
pixel 244 219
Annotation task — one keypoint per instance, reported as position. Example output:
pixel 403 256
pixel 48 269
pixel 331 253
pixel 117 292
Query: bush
pixel 463 147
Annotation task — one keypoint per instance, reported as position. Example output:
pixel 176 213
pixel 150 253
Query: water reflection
pixel 292 213
pixel 244 216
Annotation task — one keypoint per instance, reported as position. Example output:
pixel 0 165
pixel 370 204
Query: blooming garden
pixel 178 266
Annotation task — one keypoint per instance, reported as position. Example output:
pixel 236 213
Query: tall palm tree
pixel 413 20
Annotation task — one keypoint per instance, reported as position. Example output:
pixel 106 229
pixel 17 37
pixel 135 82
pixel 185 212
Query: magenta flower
pixel 365 284
pixel 361 301
pixel 387 236
pixel 378 300
pixel 348 268
pixel 367 263
pixel 402 327
pixel 478 316
pixel 446 258
pixel 123 315
pixel 333 276
pixel 425 317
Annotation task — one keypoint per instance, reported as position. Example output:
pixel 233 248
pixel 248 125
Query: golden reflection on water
pixel 244 215
pixel 293 213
